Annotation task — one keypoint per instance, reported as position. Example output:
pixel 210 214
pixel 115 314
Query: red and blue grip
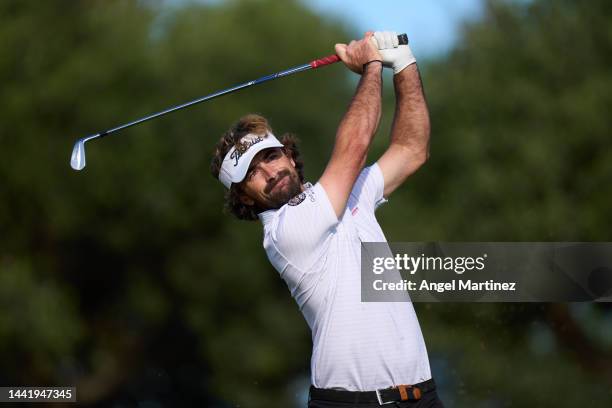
pixel 331 59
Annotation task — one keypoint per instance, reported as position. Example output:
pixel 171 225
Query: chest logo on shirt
pixel 297 199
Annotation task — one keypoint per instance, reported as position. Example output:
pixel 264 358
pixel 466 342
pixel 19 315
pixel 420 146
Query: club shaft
pixel 226 91
pixel 331 59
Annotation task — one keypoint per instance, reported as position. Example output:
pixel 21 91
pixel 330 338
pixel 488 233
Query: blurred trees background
pixel 126 280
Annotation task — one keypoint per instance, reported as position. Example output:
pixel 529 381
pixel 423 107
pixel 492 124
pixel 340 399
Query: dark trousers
pixel 428 400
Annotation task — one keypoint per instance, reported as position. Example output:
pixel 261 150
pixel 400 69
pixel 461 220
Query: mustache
pixel 279 176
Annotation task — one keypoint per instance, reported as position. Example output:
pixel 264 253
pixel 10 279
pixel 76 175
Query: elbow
pixel 424 152
pixel 421 151
pixel 421 158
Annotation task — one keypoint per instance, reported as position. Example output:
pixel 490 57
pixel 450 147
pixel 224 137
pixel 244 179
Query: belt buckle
pixel 380 400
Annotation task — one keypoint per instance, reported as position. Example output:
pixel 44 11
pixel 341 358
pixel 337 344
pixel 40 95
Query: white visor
pixel 236 162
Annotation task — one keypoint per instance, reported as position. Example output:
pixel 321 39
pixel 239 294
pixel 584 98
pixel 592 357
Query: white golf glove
pixel 394 55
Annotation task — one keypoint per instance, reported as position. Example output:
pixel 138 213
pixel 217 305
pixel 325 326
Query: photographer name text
pixel 440 287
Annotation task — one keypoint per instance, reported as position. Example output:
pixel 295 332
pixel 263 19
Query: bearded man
pixel 365 354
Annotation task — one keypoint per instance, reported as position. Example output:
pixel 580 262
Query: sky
pixel 433 26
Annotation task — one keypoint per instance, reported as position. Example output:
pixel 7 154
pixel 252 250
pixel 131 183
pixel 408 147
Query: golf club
pixel 77 160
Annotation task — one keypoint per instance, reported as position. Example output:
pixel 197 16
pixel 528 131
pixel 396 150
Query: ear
pixel 246 200
pixel 290 157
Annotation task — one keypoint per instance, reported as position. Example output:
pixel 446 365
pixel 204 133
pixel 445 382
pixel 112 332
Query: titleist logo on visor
pixel 243 146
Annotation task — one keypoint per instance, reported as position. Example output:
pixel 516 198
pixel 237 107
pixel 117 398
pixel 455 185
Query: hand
pixel 393 55
pixel 358 53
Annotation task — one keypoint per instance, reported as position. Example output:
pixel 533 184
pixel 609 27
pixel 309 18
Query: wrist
pixel 406 73
pixel 373 64
pixel 404 60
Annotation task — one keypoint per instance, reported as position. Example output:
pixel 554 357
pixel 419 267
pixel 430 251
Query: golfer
pixel 364 354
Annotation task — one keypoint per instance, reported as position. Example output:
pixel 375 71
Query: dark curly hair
pixel 256 124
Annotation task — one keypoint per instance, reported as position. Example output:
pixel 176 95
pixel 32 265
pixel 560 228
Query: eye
pixel 273 155
pixel 251 173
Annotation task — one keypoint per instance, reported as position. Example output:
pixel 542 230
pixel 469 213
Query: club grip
pixel 331 59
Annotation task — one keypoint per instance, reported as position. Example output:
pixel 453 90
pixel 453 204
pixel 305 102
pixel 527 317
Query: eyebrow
pixel 263 157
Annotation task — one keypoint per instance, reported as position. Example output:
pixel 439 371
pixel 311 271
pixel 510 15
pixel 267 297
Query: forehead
pixel 262 155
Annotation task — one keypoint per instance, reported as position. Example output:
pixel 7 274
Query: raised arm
pixel 358 124
pixel 409 146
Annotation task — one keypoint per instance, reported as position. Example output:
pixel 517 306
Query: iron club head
pixel 77 160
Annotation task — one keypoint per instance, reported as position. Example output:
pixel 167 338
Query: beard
pixel 280 196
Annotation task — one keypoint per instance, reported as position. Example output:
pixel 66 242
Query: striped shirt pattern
pixel 357 346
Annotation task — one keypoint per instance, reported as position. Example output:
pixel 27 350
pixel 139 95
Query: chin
pixel 282 197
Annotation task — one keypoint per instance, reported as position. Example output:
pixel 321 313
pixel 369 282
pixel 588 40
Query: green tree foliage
pixel 126 278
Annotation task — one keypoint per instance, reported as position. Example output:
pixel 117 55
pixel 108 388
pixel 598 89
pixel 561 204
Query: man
pixel 364 354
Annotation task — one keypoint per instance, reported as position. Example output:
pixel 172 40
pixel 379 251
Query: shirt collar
pixel 266 216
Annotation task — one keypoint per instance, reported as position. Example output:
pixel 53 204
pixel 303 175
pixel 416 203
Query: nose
pixel 268 171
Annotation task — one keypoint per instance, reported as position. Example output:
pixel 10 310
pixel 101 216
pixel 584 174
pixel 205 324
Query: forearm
pixel 358 125
pixel 411 126
pixel 361 120
pixel 353 138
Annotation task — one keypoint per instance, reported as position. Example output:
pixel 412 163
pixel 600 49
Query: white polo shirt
pixel 356 346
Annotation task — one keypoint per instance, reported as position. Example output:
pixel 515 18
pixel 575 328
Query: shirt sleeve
pixel 303 228
pixel 368 190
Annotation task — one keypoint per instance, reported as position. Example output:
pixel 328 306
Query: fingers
pixel 341 51
pixel 371 43
pixel 394 39
pixel 380 40
pixel 357 53
pixel 388 36
pixel 386 40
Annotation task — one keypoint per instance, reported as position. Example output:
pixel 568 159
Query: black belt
pixel 383 396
